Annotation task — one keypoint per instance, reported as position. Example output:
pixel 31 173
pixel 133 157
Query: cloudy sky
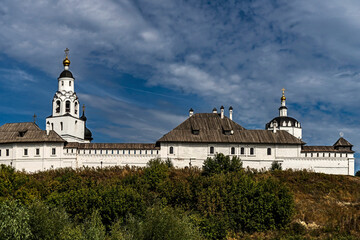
pixel 141 65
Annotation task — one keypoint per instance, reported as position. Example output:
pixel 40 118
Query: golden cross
pixel 66 52
pixel 283 90
pixel 34 118
pixel 83 108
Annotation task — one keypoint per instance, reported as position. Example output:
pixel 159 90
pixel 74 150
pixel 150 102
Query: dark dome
pixel 83 117
pixel 66 73
pixel 88 134
pixel 289 122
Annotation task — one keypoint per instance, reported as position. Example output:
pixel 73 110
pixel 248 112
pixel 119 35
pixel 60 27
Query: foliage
pixel 221 164
pixel 110 203
pixel 14 221
pixel 275 165
pixel 161 223
pixel 357 174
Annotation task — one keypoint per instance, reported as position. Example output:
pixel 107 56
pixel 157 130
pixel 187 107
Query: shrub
pixel 357 174
pixel 161 223
pixel 275 165
pixel 221 164
pixel 14 221
pixel 156 172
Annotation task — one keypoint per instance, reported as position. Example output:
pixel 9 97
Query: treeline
pixel 154 202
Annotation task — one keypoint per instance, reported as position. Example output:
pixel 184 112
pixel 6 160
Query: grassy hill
pixel 131 203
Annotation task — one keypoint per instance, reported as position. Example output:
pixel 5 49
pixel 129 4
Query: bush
pixel 156 172
pixel 14 221
pixel 357 174
pixel 221 164
pixel 275 165
pixel 161 223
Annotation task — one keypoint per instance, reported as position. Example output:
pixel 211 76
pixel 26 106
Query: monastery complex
pixel 66 142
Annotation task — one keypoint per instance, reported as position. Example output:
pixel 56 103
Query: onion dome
pixel 88 134
pixel 66 61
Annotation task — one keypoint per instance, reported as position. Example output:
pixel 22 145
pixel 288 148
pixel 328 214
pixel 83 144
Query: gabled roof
pixel 17 127
pixel 214 129
pixel 26 132
pixel 342 142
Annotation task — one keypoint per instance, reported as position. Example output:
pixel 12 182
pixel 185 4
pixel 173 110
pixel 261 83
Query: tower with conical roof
pixel 65 118
pixel 283 122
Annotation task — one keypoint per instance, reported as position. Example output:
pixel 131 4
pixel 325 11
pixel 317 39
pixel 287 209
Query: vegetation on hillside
pixel 222 201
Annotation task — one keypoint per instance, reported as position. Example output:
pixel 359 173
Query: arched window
pixel 61 126
pixel 232 150
pixel 211 150
pixel 171 150
pixel 67 106
pixel 62 83
pixel 69 83
pixel 57 109
pixel 269 151
pixel 52 126
pixel 242 151
pixel 76 107
pixel 251 151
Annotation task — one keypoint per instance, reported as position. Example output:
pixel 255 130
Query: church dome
pixel 66 73
pixel 283 122
pixel 88 134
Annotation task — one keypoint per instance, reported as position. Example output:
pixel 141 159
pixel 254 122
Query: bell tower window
pixel 57 109
pixel 76 108
pixel 67 106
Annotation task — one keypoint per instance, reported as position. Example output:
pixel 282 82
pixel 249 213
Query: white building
pixel 67 142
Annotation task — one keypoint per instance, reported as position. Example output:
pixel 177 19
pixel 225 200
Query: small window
pixel 101 151
pixel 140 151
pixel 129 152
pixel 317 154
pixel 95 151
pixel 61 126
pixel 232 150
pixel 211 150
pixel 145 151
pixel 52 126
pixel 251 151
pixel 134 151
pixel 123 151
pixel 171 150
pixel 157 151
pixel 340 154
pixel 269 151
pixel 329 154
pixel 38 151
pixel 7 152
pixel 53 151
pixel 305 154
pixel 72 150
pixel 0 152
pixel 345 155
pixel 242 151
pixel 69 83
pixel 311 154
pixel 25 152
pixel 106 152
pixel 62 83
pixel 76 108
pixel 151 152
pixel 323 154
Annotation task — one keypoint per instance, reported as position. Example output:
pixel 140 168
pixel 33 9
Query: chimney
pixel 191 112
pixel 230 112
pixel 214 110
pixel 222 112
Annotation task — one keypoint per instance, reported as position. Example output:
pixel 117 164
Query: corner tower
pixel 65 119
pixel 283 122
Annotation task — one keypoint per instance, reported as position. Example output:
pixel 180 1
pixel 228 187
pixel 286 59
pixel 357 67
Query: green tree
pixel 14 221
pixel 275 165
pixel 221 164
pixel 357 174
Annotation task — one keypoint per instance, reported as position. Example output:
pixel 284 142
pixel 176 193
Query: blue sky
pixel 141 65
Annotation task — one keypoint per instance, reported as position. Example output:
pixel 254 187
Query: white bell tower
pixel 65 119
